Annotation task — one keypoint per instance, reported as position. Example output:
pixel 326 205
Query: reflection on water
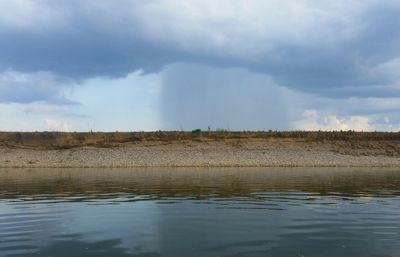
pixel 200 212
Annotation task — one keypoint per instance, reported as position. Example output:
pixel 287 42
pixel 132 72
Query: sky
pixel 126 65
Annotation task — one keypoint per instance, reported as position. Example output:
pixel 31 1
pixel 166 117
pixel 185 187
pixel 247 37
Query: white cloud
pixel 314 120
pixel 40 116
pixel 58 125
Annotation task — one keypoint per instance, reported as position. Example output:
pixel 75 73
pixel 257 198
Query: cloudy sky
pixel 79 65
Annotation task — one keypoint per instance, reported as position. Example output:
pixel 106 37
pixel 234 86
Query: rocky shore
pixel 206 151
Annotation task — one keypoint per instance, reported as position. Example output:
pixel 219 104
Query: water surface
pixel 199 212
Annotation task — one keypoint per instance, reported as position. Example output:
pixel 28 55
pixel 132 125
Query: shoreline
pixel 199 150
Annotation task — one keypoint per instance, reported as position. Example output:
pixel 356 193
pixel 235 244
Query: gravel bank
pixel 208 153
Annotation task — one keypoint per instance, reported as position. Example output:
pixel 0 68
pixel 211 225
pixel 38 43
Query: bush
pixel 196 130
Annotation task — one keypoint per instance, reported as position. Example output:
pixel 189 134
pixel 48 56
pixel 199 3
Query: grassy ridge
pixel 65 140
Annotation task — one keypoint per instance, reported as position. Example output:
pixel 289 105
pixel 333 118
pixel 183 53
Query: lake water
pixel 199 212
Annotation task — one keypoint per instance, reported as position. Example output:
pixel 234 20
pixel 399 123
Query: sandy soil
pixel 206 151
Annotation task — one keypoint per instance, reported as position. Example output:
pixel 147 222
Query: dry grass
pixel 60 140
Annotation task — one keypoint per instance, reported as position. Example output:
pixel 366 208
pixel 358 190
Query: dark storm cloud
pixel 26 88
pixel 321 68
pixel 84 49
pixel 81 54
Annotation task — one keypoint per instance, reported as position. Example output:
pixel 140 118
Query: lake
pixel 222 212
